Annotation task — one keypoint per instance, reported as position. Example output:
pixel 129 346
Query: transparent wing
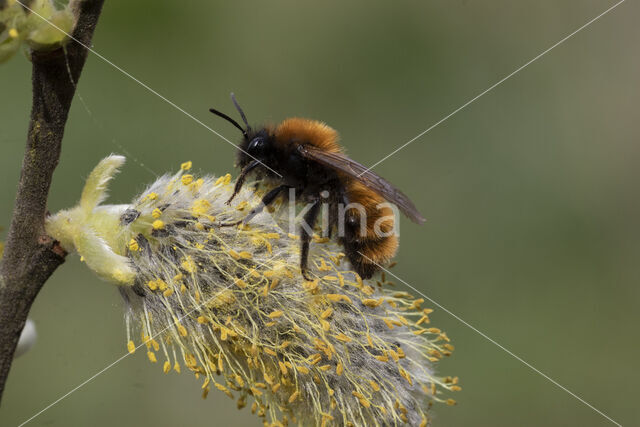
pixel 373 181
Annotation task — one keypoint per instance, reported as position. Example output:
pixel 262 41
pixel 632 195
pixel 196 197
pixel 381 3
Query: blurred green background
pixel 531 192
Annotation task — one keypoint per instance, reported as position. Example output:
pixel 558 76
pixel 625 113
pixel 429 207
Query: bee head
pixel 255 146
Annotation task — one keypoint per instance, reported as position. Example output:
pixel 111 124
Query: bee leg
pixel 333 219
pixel 266 201
pixel 305 237
pixel 241 177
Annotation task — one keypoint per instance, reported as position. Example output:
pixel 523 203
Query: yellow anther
pixel 186 179
pixel 328 312
pixel 367 290
pixel 283 368
pixel 383 358
pixel 131 347
pixel 372 302
pixel 152 357
pixel 342 337
pixel 201 207
pixel 158 224
pixel 166 367
pixel 182 330
pixel 156 213
pixel 13 33
pixel 133 245
pixel 186 165
pixel 389 323
pixel 188 264
pixel 338 298
pixel 276 314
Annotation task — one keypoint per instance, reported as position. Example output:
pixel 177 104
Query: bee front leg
pixel 305 236
pixel 266 201
pixel 241 177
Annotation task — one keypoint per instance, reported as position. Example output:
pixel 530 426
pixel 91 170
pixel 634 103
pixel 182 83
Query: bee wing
pixel 373 181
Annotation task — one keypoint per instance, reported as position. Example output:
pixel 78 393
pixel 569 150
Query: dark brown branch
pixel 31 256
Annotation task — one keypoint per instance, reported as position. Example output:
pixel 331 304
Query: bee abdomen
pixel 368 255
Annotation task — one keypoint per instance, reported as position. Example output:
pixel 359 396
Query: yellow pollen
pixel 158 224
pixel 13 33
pixel 166 367
pixel 152 357
pixel 188 264
pixel 328 312
pixel 338 298
pixel 342 337
pixel 186 179
pixel 283 368
pixel 156 213
pixel 372 302
pixel 131 347
pixel 133 245
pixel 186 165
pixel 276 314
pixel 182 330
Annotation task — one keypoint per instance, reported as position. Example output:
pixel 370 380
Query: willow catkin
pixel 41 24
pixel 229 304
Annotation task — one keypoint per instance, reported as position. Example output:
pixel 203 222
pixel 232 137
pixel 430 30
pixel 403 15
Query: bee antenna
pixel 235 102
pixel 229 119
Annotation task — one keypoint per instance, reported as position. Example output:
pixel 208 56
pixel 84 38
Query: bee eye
pixel 257 146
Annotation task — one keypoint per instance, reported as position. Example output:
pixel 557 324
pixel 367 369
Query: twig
pixel 31 256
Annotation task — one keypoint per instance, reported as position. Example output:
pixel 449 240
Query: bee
pixel 303 155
